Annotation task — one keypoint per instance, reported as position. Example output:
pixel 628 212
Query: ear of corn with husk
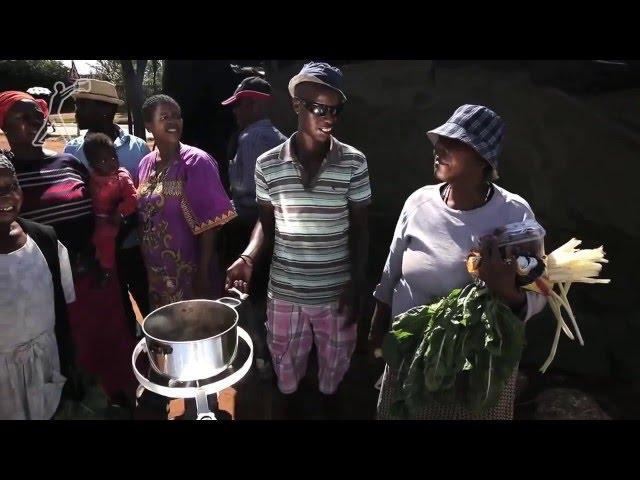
pixel 564 266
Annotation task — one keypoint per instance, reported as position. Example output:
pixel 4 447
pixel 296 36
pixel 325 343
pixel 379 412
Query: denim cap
pixel 319 72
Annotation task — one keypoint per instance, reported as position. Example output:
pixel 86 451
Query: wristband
pixel 247 259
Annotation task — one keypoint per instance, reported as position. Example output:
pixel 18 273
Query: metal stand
pixel 200 392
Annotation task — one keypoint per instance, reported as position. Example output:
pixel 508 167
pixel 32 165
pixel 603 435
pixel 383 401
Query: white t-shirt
pixel 30 379
pixel 431 243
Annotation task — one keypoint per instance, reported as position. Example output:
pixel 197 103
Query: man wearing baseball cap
pixel 97 102
pixel 312 192
pixel 250 103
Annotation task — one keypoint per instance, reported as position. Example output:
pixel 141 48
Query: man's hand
pixel 350 301
pixel 239 275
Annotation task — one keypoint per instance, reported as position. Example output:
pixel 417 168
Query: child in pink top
pixel 113 194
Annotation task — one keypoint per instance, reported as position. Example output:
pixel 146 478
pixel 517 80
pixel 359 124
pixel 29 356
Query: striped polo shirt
pixel 310 264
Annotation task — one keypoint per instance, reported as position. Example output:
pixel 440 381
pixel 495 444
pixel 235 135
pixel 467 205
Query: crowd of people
pixel 84 231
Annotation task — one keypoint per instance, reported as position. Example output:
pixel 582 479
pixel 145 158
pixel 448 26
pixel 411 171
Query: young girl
pixel 35 274
pixel 114 196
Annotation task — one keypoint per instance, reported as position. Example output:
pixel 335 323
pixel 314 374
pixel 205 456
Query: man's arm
pixel 261 243
pixel 358 253
pixel 359 197
pixel 359 243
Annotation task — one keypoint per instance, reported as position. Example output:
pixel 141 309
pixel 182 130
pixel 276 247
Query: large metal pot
pixel 193 339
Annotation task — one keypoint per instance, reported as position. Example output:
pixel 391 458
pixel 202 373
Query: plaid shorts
pixel 291 331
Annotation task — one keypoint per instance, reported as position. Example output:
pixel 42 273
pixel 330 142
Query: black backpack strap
pixel 47 241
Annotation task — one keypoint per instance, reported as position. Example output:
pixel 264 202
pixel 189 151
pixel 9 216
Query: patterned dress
pixel 175 205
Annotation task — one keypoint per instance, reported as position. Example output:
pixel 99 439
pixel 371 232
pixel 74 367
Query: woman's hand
pixel 500 275
pixel 380 323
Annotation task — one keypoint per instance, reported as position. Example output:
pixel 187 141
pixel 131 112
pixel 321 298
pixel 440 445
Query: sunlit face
pixel 318 127
pixel 22 122
pixel 166 123
pixel 10 196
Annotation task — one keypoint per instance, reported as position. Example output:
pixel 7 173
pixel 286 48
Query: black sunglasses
pixel 319 109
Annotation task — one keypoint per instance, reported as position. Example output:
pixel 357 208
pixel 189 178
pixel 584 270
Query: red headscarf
pixel 7 99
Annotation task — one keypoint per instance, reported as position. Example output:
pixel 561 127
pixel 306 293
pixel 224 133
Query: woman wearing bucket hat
pixel 434 235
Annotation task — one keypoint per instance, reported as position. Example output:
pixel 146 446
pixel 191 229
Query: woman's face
pixel 454 160
pixel 22 122
pixel 10 196
pixel 166 123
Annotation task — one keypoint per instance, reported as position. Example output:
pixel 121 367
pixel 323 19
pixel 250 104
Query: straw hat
pixel 99 90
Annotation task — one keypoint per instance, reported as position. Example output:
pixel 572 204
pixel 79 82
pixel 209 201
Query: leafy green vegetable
pixel 463 347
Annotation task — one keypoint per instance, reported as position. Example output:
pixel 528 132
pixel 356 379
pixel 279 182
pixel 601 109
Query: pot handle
pixel 241 296
pixel 230 302
pixel 140 347
pixel 233 302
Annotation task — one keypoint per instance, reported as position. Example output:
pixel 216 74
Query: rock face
pixel 567 404
pixel 571 150
pixel 573 156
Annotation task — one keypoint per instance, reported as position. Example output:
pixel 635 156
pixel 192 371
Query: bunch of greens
pixel 462 348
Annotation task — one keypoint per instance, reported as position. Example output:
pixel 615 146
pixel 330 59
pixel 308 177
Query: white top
pixel 30 379
pixel 431 243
